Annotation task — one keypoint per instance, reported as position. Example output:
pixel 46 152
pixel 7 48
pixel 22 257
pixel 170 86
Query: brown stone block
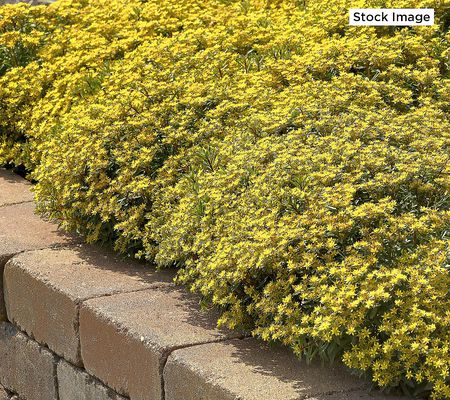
pixel 126 338
pixel 76 384
pixel 251 370
pixel 3 394
pixel 20 230
pixel 25 367
pixel 44 288
pixel 13 189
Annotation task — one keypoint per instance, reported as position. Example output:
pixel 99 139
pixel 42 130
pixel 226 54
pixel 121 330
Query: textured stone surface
pixel 250 370
pixel 125 338
pixel 44 288
pixel 13 189
pixel 76 384
pixel 20 230
pixel 3 394
pixel 25 367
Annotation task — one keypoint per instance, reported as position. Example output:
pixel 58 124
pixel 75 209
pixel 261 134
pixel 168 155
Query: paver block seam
pixel 44 290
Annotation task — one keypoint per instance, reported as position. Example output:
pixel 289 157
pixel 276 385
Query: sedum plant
pixel 294 168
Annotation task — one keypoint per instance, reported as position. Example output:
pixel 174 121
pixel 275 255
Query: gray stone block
pixel 26 368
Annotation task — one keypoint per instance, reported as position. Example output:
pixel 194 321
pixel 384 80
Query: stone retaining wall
pixel 79 323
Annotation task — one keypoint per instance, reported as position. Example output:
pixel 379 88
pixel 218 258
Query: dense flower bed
pixel 296 169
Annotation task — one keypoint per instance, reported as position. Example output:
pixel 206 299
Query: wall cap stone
pixel 62 279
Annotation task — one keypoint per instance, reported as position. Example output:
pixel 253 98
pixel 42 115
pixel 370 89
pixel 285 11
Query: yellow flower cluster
pixel 295 168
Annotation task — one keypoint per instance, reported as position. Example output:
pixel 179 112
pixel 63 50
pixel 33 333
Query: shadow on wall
pixel 188 307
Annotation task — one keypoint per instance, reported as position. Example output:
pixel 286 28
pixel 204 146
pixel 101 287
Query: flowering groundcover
pixel 294 168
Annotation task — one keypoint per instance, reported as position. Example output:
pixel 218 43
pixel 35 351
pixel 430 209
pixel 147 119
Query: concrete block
pixel 126 338
pixel 26 368
pixel 76 384
pixel 251 370
pixel 21 230
pixel 44 289
pixel 13 188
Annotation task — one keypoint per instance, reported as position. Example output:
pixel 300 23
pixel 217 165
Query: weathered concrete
pixel 20 230
pixel 3 394
pixel 26 367
pixel 44 288
pixel 126 338
pixel 76 384
pixel 13 189
pixel 249 370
